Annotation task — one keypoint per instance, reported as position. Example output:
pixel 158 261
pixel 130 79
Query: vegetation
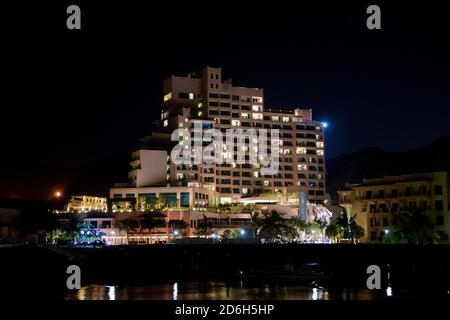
pixel 344 228
pixel 128 225
pixel 273 228
pixel 149 222
pixel 203 227
pixel 413 228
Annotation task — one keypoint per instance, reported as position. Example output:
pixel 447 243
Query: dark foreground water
pixel 196 290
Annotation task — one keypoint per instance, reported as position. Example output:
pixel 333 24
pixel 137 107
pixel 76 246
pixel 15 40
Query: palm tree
pixel 356 231
pixel 128 225
pixel 150 223
pixel 274 226
pixel 333 231
pixel 203 227
pixel 178 225
pixel 414 227
pixel 321 224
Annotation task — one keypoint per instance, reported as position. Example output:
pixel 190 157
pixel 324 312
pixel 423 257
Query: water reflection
pixel 111 292
pixel 389 291
pixel 175 291
pixel 215 290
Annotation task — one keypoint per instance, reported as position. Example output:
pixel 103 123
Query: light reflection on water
pixel 195 290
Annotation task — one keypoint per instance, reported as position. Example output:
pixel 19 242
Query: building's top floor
pixel 87 199
pixel 418 184
pixel 403 179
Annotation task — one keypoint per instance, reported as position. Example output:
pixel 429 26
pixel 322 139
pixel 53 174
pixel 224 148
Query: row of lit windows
pixel 247 191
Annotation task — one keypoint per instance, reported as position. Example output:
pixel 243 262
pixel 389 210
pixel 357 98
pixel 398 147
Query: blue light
pixel 325 124
pixel 242 232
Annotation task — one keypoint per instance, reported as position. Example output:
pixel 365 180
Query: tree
pixel 149 222
pixel 321 224
pixel 413 227
pixel 333 231
pixel 275 227
pixel 355 230
pixel 203 227
pixel 178 225
pixel 70 229
pixel 128 225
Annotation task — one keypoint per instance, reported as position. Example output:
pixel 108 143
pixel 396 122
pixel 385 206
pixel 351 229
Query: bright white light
pixel 111 292
pixel 175 291
pixel 325 124
pixel 175 233
pixel 214 236
pixel 242 232
pixel 113 233
pixel 386 231
pixel 315 295
pixel 389 291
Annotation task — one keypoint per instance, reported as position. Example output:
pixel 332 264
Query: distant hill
pixel 376 162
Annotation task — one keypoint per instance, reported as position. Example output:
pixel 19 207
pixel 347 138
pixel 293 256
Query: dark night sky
pixel 74 97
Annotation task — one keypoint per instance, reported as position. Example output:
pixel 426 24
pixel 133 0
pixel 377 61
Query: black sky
pixel 74 97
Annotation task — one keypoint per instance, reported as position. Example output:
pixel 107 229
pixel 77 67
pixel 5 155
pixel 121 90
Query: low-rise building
pixel 376 201
pixel 123 199
pixel 86 203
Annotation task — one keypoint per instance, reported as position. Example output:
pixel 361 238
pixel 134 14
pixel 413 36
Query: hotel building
pixel 207 97
pixel 375 201
pixel 85 203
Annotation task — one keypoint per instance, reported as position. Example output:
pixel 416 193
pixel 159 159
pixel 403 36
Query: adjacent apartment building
pixel 205 96
pixel 375 201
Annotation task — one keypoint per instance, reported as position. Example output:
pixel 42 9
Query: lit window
pixel 302 167
pixel 285 119
pixel 266 183
pixel 200 113
pixel 168 96
pixel 257 116
pixel 320 152
pixel 191 96
pixel 319 144
pixel 301 150
pixel 200 105
pixel 244 115
pixel 275 118
pixel 257 108
pixel 235 123
pixel 257 99
pixel 244 190
pixel 166 123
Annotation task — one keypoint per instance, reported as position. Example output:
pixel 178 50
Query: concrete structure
pixel 374 201
pixel 147 198
pixel 85 203
pixel 218 104
pixel 148 167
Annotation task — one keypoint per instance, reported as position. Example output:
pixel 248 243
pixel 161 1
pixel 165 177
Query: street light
pixel 324 124
pixel 58 194
pixel 242 232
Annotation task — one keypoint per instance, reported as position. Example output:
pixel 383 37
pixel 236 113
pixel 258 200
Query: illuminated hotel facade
pixel 376 201
pixel 206 97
